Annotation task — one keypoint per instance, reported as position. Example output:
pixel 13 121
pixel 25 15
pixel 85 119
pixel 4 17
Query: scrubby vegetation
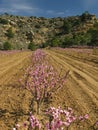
pixel 7 46
pixel 64 32
pixel 31 46
pixel 9 33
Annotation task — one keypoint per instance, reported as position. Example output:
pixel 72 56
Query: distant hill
pixel 20 31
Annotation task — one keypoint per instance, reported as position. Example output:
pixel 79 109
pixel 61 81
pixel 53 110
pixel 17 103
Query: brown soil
pixel 14 100
pixel 80 91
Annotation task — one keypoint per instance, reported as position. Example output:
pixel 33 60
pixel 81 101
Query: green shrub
pixel 3 21
pixel 85 16
pixel 7 46
pixel 31 46
pixel 94 37
pixel 68 41
pixel 54 42
pixel 67 26
pixel 10 33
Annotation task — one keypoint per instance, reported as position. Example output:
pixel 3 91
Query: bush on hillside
pixel 3 21
pixel 10 33
pixel 7 46
pixel 31 46
pixel 67 26
pixel 54 42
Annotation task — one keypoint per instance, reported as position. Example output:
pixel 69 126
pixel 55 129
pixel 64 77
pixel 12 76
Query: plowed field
pixel 80 91
pixel 12 97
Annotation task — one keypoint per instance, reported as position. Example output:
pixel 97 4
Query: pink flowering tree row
pixel 42 80
pixel 38 56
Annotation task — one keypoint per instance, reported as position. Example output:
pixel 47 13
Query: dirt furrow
pixel 82 86
pixel 81 65
pixel 14 64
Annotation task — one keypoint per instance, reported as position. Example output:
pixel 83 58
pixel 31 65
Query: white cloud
pixel 8 10
pixel 50 12
pixel 17 6
pixel 54 13
pixel 60 13
pixel 21 7
pixel 25 8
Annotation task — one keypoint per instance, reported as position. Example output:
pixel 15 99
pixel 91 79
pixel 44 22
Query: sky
pixel 48 8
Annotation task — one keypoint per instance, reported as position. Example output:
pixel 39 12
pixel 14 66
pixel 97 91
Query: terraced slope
pixel 81 90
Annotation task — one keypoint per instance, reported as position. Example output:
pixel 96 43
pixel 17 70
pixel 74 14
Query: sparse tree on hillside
pixel 31 46
pixel 68 41
pixel 94 37
pixel 54 42
pixel 7 46
pixel 85 16
pixel 3 21
pixel 10 33
pixel 81 39
pixel 67 26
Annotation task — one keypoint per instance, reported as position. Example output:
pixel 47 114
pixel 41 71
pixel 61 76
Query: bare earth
pixel 13 99
pixel 80 91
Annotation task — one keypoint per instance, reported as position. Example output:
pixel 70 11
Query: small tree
pixel 94 37
pixel 67 26
pixel 68 41
pixel 7 46
pixel 31 46
pixel 54 42
pixel 85 16
pixel 82 39
pixel 10 33
pixel 42 80
pixel 3 21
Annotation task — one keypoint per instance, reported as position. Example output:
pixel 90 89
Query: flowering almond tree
pixel 60 119
pixel 38 57
pixel 41 79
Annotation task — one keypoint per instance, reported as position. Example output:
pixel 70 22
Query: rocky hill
pixel 20 31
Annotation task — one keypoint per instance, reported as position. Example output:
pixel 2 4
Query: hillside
pixel 20 31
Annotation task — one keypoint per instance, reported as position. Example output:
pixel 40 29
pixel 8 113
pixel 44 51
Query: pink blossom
pixel 66 124
pixel 86 116
pixel 17 126
pixel 25 124
pixel 81 118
